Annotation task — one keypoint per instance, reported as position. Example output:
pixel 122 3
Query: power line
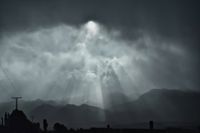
pixel 7 77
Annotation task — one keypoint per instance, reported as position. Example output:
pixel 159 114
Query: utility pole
pixel 16 101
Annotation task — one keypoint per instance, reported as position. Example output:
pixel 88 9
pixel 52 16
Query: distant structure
pixel 151 125
pixel 16 102
pixel 17 122
pixel 45 125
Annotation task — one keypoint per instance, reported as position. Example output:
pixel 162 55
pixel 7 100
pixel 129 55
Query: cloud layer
pixel 88 63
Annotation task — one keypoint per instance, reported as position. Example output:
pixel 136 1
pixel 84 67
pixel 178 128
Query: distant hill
pixel 171 107
pixel 72 115
pixel 162 105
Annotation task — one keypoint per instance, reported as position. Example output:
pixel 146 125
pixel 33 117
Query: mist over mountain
pixel 166 107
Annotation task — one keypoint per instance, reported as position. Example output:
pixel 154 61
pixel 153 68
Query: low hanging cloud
pixel 87 63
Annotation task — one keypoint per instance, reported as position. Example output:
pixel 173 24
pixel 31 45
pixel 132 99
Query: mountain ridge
pixel 161 105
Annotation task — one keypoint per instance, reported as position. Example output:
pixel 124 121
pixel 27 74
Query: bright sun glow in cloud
pixel 92 27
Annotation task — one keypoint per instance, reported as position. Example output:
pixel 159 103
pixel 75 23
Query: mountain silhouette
pixel 171 105
pixel 162 105
pixel 71 115
pixel 166 107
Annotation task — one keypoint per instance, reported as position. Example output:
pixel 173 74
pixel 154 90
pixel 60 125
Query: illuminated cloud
pixel 92 28
pixel 88 64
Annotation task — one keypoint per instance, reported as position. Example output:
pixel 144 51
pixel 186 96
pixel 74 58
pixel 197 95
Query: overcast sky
pixel 81 50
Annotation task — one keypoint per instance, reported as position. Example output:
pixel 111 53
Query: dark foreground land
pixel 101 130
pixel 17 122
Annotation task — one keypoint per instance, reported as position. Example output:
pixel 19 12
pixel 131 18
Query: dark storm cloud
pixel 172 20
pixel 45 46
